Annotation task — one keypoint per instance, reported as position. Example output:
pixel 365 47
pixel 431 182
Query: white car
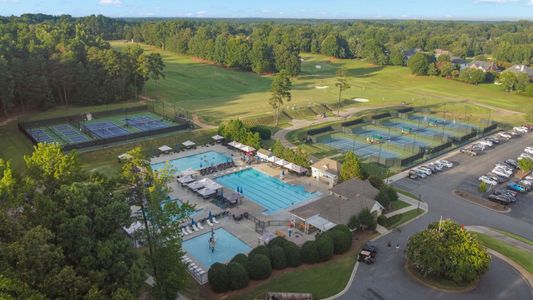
pixel 445 163
pixel 505 167
pixel 505 135
pixel 529 150
pixel 521 129
pixel 525 155
pixel 437 166
pixel 486 143
pixel 487 180
pixel 501 172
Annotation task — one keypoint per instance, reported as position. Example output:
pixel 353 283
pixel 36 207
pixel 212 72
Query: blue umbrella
pixel 210 216
pixel 192 222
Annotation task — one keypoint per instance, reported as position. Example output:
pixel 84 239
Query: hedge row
pixel 278 254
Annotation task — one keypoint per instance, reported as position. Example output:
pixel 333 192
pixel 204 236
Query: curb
pixel 354 271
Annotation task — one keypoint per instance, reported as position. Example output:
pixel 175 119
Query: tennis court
pixel 70 134
pixel 361 149
pixel 442 122
pixel 42 136
pixel 105 129
pixel 145 122
pixel 426 131
pixel 398 140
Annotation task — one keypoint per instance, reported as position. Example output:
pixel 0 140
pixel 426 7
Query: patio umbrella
pixel 209 216
pixel 192 222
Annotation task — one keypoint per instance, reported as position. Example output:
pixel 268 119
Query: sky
pixel 318 9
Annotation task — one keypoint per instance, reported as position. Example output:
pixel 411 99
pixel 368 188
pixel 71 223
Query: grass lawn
pixel 521 257
pixel 397 220
pixel 219 93
pixel 398 205
pixel 515 236
pixel 322 281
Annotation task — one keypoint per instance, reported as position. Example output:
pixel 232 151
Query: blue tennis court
pixel 145 123
pixel 398 140
pixel 442 122
pixel 69 132
pixel 361 149
pixel 433 133
pixel 106 129
pixel 41 136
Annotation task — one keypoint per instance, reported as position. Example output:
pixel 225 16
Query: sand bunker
pixel 360 100
pixel 321 87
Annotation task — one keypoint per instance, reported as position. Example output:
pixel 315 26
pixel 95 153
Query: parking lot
pixel 465 173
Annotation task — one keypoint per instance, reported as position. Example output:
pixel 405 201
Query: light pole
pixel 419 200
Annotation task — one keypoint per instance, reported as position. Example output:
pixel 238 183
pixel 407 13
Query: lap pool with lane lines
pixel 271 193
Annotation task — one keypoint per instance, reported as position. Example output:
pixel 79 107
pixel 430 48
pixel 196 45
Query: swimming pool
pixel 195 162
pixel 267 191
pixel 226 247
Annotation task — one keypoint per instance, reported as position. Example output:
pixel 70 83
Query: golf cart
pixel 366 257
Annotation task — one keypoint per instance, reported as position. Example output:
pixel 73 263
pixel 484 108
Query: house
pixel 521 69
pixel 346 200
pixel 485 66
pixel 327 170
pixel 439 52
pixel 410 52
pixel 459 62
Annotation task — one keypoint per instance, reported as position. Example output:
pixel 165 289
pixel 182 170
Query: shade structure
pixel 164 148
pixel 281 162
pixel 196 185
pixel 320 223
pixel 247 148
pixel 296 168
pixel 185 179
pixel 187 172
pixel 272 158
pixel 206 192
pixel 188 143
pixel 217 137
pixel 204 183
pixel 263 154
pixel 232 143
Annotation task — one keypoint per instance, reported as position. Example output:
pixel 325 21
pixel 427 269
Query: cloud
pixel 111 2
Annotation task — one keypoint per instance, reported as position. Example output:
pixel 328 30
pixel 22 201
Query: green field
pixel 520 256
pixel 219 93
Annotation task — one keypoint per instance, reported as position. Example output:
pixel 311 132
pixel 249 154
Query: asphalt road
pixel 387 278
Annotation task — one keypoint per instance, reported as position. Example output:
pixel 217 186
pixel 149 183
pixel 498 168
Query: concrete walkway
pixel 400 211
pixel 500 236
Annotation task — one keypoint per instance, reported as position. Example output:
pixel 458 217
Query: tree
pixel 334 45
pixel 342 84
pixel 509 81
pixel 218 278
pixel 366 219
pixel 238 277
pixel 6 87
pixel 160 225
pixel 525 164
pixel 278 259
pixel 281 92
pixel 153 66
pixel 351 167
pixel 261 57
pixel 419 63
pixel 445 250
pixel 396 57
pixel 472 76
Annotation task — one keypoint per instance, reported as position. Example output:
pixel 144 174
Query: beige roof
pixel 336 209
pixel 329 165
pixel 264 152
pixel 355 188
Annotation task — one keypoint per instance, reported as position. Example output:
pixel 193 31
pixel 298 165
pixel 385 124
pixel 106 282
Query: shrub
pixel 325 247
pixel 367 219
pixel 383 221
pixel 383 198
pixel 341 241
pixel 310 252
pixel 260 250
pixel 354 222
pixel 241 259
pixel 392 193
pixel 264 132
pixel 218 278
pixel 342 227
pixel 277 241
pixel 482 187
pixel 376 182
pixel 293 254
pixel 238 277
pixel 278 259
pixel 259 267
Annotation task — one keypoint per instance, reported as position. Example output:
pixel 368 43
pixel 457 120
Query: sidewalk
pixel 500 236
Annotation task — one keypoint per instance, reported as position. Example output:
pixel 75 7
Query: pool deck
pixel 243 229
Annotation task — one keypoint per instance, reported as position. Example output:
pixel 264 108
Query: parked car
pixel 486 143
pixel 421 173
pixel 370 247
pixel 514 133
pixel 431 167
pixel 413 174
pixel 496 177
pixel 505 192
pixel 436 166
pixel 468 151
pixel 493 140
pixel 445 163
pixel 505 135
pixel 425 170
pixel 479 147
pixel 521 129
pixel 516 187
pixel 366 257
pixel 525 155
pixel 499 198
pixel 500 172
pixel 512 162
pixel 529 150
pixel 526 184
pixel 487 180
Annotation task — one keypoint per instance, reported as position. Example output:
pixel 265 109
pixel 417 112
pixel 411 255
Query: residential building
pixel 485 66
pixel 327 170
pixel 521 69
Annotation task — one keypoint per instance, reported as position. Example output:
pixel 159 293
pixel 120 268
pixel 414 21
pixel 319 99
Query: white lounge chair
pixel 199 226
pixel 195 227
pixel 214 220
pixel 209 223
pixel 189 230
pixel 184 231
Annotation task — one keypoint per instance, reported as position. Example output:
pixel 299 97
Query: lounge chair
pixel 215 220
pixel 195 227
pixel 209 223
pixel 189 230
pixel 199 226
pixel 184 231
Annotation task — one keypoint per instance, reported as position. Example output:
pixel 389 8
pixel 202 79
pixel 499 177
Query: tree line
pixel 47 61
pixel 268 46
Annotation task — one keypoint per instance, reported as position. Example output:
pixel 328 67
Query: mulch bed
pixel 481 201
